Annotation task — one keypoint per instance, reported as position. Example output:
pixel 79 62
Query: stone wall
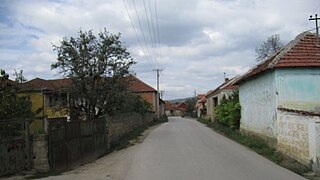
pixel 299 137
pixel 40 153
pixel 119 125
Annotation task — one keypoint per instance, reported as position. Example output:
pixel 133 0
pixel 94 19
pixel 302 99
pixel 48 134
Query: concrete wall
pixel 258 106
pixel 299 89
pixel 299 137
pixel 210 101
pixel 40 153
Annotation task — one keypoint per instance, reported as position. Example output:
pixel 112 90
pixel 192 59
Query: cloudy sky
pixel 198 40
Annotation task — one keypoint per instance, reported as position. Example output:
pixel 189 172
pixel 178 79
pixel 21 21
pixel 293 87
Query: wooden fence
pixel 14 149
pixel 74 143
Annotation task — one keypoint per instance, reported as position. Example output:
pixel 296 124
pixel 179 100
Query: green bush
pixel 228 112
pixel 204 120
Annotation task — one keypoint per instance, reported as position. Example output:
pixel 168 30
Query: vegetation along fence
pixel 74 143
pixel 14 154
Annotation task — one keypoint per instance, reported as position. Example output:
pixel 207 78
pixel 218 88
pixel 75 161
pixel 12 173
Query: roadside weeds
pixel 259 146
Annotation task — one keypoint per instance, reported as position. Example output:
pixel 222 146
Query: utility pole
pixel 161 94
pixel 158 91
pixel 317 29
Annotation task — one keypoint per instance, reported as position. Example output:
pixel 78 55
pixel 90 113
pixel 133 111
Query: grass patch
pixel 39 175
pixel 205 120
pixel 260 146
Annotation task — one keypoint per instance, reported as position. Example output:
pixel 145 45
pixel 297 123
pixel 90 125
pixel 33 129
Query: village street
pixel 181 149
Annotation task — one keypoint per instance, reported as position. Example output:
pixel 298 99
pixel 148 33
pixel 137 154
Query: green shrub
pixel 228 112
pixel 204 120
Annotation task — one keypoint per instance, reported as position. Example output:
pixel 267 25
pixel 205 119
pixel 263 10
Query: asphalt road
pixel 184 149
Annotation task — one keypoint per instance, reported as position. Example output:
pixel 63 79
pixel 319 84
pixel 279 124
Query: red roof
pixel 41 84
pixel 227 85
pixel 136 85
pixel 170 106
pixel 301 52
pixel 200 96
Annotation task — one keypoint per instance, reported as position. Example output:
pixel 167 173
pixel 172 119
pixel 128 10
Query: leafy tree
pixel 97 67
pixel 269 47
pixel 19 78
pixel 191 103
pixel 228 112
pixel 13 109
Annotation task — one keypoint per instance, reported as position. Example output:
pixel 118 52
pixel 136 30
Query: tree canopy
pixel 11 105
pixel 272 45
pixel 97 67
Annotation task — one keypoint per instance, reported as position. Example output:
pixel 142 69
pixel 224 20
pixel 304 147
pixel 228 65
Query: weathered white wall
pixel 258 105
pixel 299 89
pixel 210 102
pixel 299 137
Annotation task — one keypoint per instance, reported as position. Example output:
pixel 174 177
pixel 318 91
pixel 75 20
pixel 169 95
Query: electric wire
pixel 135 30
pixel 150 31
pixel 143 34
pixel 158 31
pixel 154 35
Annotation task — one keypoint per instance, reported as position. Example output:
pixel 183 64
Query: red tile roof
pixel 41 84
pixel 301 52
pixel 169 106
pixel 136 85
pixel 227 85
pixel 200 96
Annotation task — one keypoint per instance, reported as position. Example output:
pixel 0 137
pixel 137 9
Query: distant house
pixel 146 92
pixel 215 96
pixel 48 96
pixel 51 97
pixel 201 105
pixel 178 109
pixel 280 100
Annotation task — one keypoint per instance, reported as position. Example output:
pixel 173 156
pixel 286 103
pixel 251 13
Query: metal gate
pixel 74 143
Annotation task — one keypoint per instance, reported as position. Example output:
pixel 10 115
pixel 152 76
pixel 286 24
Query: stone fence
pixel 299 137
pixel 119 125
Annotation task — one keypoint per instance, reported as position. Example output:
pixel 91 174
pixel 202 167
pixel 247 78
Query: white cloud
pixel 200 39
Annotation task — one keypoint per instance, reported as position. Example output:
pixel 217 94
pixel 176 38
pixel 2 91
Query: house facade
pixel 214 97
pixel 148 93
pixel 50 98
pixel 201 105
pixel 175 109
pixel 280 100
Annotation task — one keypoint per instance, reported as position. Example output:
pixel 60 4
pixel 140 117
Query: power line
pixel 143 34
pixel 158 32
pixel 154 34
pixel 316 8
pixel 317 29
pixel 135 30
pixel 149 29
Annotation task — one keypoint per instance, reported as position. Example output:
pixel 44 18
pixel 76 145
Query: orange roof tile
pixel 136 85
pixel 301 52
